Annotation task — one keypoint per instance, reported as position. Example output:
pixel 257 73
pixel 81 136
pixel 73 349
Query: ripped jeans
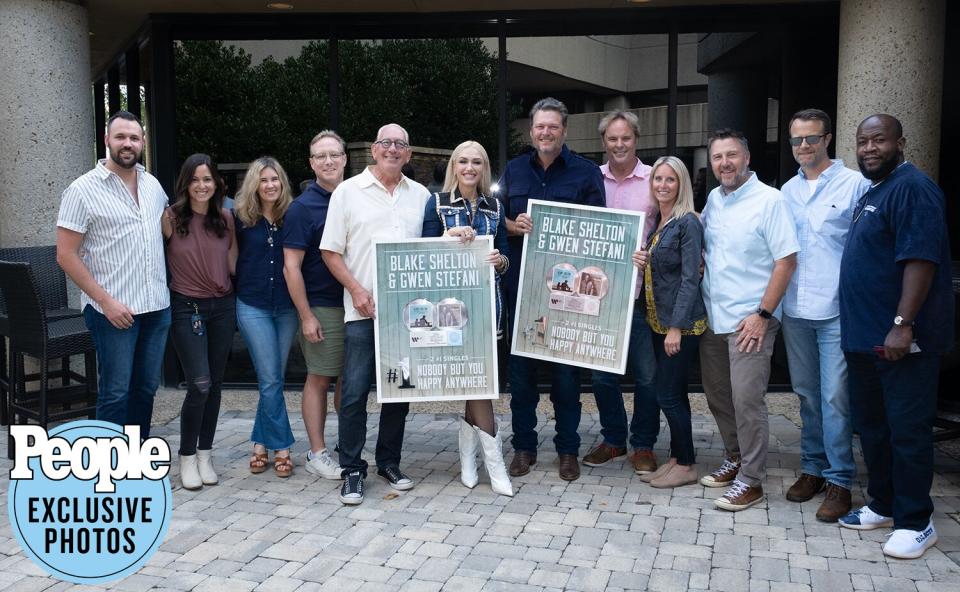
pixel 203 359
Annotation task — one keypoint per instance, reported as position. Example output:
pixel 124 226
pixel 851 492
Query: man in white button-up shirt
pixel 821 197
pixel 750 251
pixel 379 203
pixel 110 244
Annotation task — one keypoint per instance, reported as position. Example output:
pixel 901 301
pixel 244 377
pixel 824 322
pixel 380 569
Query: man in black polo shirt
pixel 896 318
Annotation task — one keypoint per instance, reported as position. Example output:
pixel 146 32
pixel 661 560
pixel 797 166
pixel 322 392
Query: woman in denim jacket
pixel 675 310
pixel 465 209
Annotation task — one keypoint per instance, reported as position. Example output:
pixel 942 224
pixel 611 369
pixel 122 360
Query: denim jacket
pixel 675 267
pixel 448 209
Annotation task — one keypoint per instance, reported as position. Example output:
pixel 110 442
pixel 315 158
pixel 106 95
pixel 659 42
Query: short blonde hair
pixel 450 181
pixel 631 118
pixel 247 206
pixel 328 134
pixel 684 204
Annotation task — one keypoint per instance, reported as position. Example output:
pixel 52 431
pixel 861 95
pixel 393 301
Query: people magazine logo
pixel 89 502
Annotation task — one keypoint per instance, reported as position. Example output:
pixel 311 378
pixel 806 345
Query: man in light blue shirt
pixel 821 198
pixel 750 250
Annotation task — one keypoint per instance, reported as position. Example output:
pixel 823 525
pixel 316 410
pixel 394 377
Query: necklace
pixel 271 228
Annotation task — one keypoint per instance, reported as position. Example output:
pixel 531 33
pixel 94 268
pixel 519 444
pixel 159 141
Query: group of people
pixel 858 263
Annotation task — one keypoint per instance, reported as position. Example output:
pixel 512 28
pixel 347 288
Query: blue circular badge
pixel 96 503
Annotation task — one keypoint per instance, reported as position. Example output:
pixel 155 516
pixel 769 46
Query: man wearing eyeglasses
pixel 821 197
pixel 379 203
pixel 317 295
pixel 549 172
pixel 896 316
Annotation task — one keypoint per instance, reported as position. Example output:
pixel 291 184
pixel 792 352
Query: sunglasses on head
pixel 811 140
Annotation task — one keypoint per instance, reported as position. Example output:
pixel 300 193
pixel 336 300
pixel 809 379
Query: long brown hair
pixel 182 211
pixel 247 206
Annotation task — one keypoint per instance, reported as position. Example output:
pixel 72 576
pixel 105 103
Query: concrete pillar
pixel 807 80
pixel 891 61
pixel 617 102
pixel 737 99
pixel 46 123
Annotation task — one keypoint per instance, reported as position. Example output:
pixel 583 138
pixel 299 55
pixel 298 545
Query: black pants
pixel 203 358
pixel 894 405
pixel 358 374
pixel 673 396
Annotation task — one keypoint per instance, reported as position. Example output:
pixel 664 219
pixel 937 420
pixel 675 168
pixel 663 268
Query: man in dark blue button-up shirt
pixel 550 172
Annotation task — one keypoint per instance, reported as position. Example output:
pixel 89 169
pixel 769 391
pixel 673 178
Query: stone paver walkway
pixel 606 531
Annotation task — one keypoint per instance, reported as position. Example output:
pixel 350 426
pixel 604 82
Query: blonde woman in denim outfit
pixel 466 209
pixel 675 310
pixel 265 312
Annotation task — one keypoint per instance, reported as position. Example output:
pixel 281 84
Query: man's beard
pixel 886 167
pixel 121 163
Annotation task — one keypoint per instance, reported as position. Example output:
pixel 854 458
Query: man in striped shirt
pixel 110 244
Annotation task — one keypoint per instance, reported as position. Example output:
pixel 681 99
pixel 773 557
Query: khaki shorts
pixel 326 357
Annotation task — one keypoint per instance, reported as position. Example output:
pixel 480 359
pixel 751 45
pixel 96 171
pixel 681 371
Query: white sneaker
pixel 865 519
pixel 910 544
pixel 322 464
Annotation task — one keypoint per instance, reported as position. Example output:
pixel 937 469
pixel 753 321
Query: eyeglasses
pixel 398 144
pixel 326 156
pixel 811 140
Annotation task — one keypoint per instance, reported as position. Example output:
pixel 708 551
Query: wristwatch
pixel 764 313
pixel 902 322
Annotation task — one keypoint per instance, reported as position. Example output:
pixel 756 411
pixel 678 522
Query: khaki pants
pixel 736 386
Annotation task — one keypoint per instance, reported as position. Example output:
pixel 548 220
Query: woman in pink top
pixel 201 257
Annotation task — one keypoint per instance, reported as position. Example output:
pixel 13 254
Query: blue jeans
pixel 269 335
pixel 524 396
pixel 645 423
pixel 129 362
pixel 358 375
pixel 818 372
pixel 673 396
pixel 894 405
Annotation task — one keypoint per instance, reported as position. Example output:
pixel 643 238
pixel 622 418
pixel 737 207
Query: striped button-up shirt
pixel 122 244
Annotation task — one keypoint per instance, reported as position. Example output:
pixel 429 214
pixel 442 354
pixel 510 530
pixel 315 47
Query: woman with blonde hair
pixel 675 310
pixel 265 313
pixel 465 209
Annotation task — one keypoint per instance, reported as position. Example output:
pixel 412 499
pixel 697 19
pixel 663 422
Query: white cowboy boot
pixel 492 450
pixel 468 454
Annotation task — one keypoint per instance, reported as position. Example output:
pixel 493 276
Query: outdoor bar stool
pixel 33 334
pixel 52 283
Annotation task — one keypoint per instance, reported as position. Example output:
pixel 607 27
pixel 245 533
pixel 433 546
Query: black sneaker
pixel 351 492
pixel 396 478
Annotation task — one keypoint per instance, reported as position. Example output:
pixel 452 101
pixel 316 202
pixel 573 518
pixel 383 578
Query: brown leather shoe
pixel 603 453
pixel 521 463
pixel 835 505
pixel 569 467
pixel 643 461
pixel 805 488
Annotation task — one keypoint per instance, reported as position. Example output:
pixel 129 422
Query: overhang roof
pixel 114 23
